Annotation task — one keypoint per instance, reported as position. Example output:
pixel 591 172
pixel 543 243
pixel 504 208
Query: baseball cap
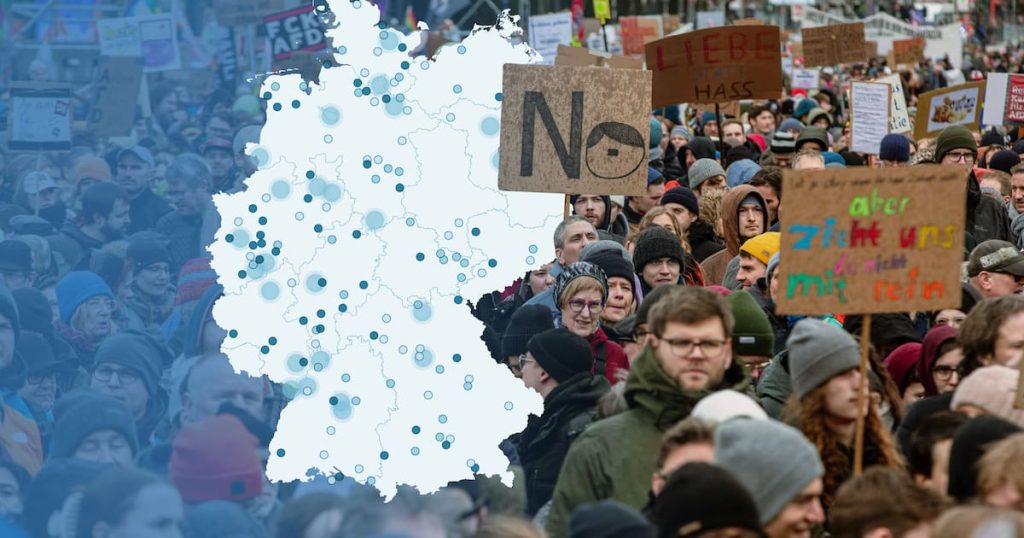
pixel 37 182
pixel 995 256
pixel 140 152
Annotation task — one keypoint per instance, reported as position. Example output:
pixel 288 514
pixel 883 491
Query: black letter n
pixel 534 103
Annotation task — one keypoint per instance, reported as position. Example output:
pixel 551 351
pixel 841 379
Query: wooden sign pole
pixel 862 396
pixel 721 140
pixel 565 208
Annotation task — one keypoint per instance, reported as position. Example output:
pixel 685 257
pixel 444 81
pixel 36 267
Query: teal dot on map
pixel 346 378
pixel 457 88
pixel 261 156
pixel 494 159
pixel 498 96
pixel 462 49
pixel 294 363
pixel 280 452
pixel 296 103
pixel 321 358
pixel 425 65
pixel 407 110
pixel 428 395
pixel 398 96
pixel 464 262
pixel 240 238
pixel 375 179
pixel 443 419
pixel 530 260
pixel 448 236
pixel 405 65
pixel 389 40
pixel 450 117
pixel 275 86
pixel 461 277
pixel 379 85
pixel 374 220
pixel 280 189
pixel 422 311
pixel 490 126
pixel 277 107
pixel 270 290
pixel 508 406
pixel 332 193
pixel 532 249
pixel 377 51
pixel 393 108
pixel 342 49
pixel 341 406
pixel 330 115
pixel 315 283
pixel 410 221
pixel 399 171
pixel 415 451
pixel 390 383
pixel 387 168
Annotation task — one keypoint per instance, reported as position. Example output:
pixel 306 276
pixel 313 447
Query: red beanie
pixel 216 460
pixel 901 362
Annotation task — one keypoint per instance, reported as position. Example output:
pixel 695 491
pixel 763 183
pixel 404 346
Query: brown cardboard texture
pixel 955 105
pixel 908 51
pixel 716 65
pixel 574 130
pixel 836 44
pixel 871 240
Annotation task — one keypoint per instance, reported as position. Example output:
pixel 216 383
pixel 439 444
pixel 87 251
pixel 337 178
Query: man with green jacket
pixel 688 356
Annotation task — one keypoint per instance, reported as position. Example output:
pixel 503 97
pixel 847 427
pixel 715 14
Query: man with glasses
pixel 128 366
pixel 994 269
pixel 986 217
pixel 689 355
pixel 558 366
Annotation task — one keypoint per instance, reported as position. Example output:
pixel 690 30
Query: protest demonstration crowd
pixel 681 397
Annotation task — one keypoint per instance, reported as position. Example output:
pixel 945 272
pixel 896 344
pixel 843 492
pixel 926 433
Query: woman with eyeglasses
pixel 581 291
pixel 939 367
pixel 86 307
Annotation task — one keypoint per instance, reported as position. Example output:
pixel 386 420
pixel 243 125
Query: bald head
pixel 213 382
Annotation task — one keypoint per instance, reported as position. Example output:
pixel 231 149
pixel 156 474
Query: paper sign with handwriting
pixel 955 105
pixel 716 65
pixel 872 240
pixel 870 105
pixel 836 44
pixel 898 116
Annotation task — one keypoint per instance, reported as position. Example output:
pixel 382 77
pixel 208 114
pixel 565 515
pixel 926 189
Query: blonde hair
pixel 509 527
pixel 710 205
pixel 84 316
pixel 966 520
pixel 578 285
pixel 1001 465
pixel 648 220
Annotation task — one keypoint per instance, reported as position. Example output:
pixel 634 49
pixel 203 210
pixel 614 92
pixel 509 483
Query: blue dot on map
pixel 490 126
pixel 421 311
pixel 374 220
pixel 341 406
pixel 494 160
pixel 280 189
pixel 332 192
pixel 424 358
pixel 379 85
pixel 270 290
pixel 330 115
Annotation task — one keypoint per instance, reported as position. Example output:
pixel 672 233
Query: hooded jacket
pixel 930 353
pixel 703 241
pixel 608 352
pixel 616 230
pixel 715 266
pixel 614 458
pixel 986 216
pixel 542 446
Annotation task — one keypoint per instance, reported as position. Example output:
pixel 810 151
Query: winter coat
pixel 715 265
pixel 542 446
pixel 139 311
pixel 614 457
pixel 775 386
pixel 609 357
pixel 986 216
pixel 145 211
pixel 183 238
pixel 703 242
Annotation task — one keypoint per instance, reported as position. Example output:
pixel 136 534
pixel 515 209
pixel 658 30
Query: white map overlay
pixel 346 264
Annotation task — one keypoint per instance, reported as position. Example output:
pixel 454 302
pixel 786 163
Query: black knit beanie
pixel 561 353
pixel 656 242
pixel 526 322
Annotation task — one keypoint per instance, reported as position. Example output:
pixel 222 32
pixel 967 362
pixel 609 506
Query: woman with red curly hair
pixel 824 363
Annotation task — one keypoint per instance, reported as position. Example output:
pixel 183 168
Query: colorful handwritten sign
pixel 871 240
pixel 574 130
pixel 716 65
pixel 955 105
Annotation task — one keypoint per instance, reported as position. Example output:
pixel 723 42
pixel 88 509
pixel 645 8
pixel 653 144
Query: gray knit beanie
pixel 702 170
pixel 773 461
pixel 819 351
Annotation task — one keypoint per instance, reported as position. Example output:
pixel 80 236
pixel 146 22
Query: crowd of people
pixel 677 401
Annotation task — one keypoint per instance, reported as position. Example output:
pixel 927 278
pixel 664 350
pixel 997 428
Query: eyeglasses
pixel 40 379
pixel 577 305
pixel 106 373
pixel 965 156
pixel 682 348
pixel 99 304
pixel 946 372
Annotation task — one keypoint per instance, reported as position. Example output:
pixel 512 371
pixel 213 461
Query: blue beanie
pixel 791 123
pixel 832 157
pixel 894 147
pixel 707 117
pixel 740 172
pixel 655 133
pixel 653 175
pixel 76 288
pixel 804 107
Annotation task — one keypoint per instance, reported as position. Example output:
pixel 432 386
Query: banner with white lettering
pixel 294 30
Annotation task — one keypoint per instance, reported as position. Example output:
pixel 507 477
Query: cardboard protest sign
pixel 836 44
pixel 716 65
pixel 40 117
pixel 117 91
pixel 872 240
pixel 870 104
pixel 1004 99
pixel 546 32
pixel 956 105
pixel 898 117
pixel 871 47
pixel 153 37
pixel 748 22
pixel 580 57
pixel 294 30
pixel 638 31
pixel 805 78
pixel 547 115
pixel 908 51
pixel 729 109
pixel 245 12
